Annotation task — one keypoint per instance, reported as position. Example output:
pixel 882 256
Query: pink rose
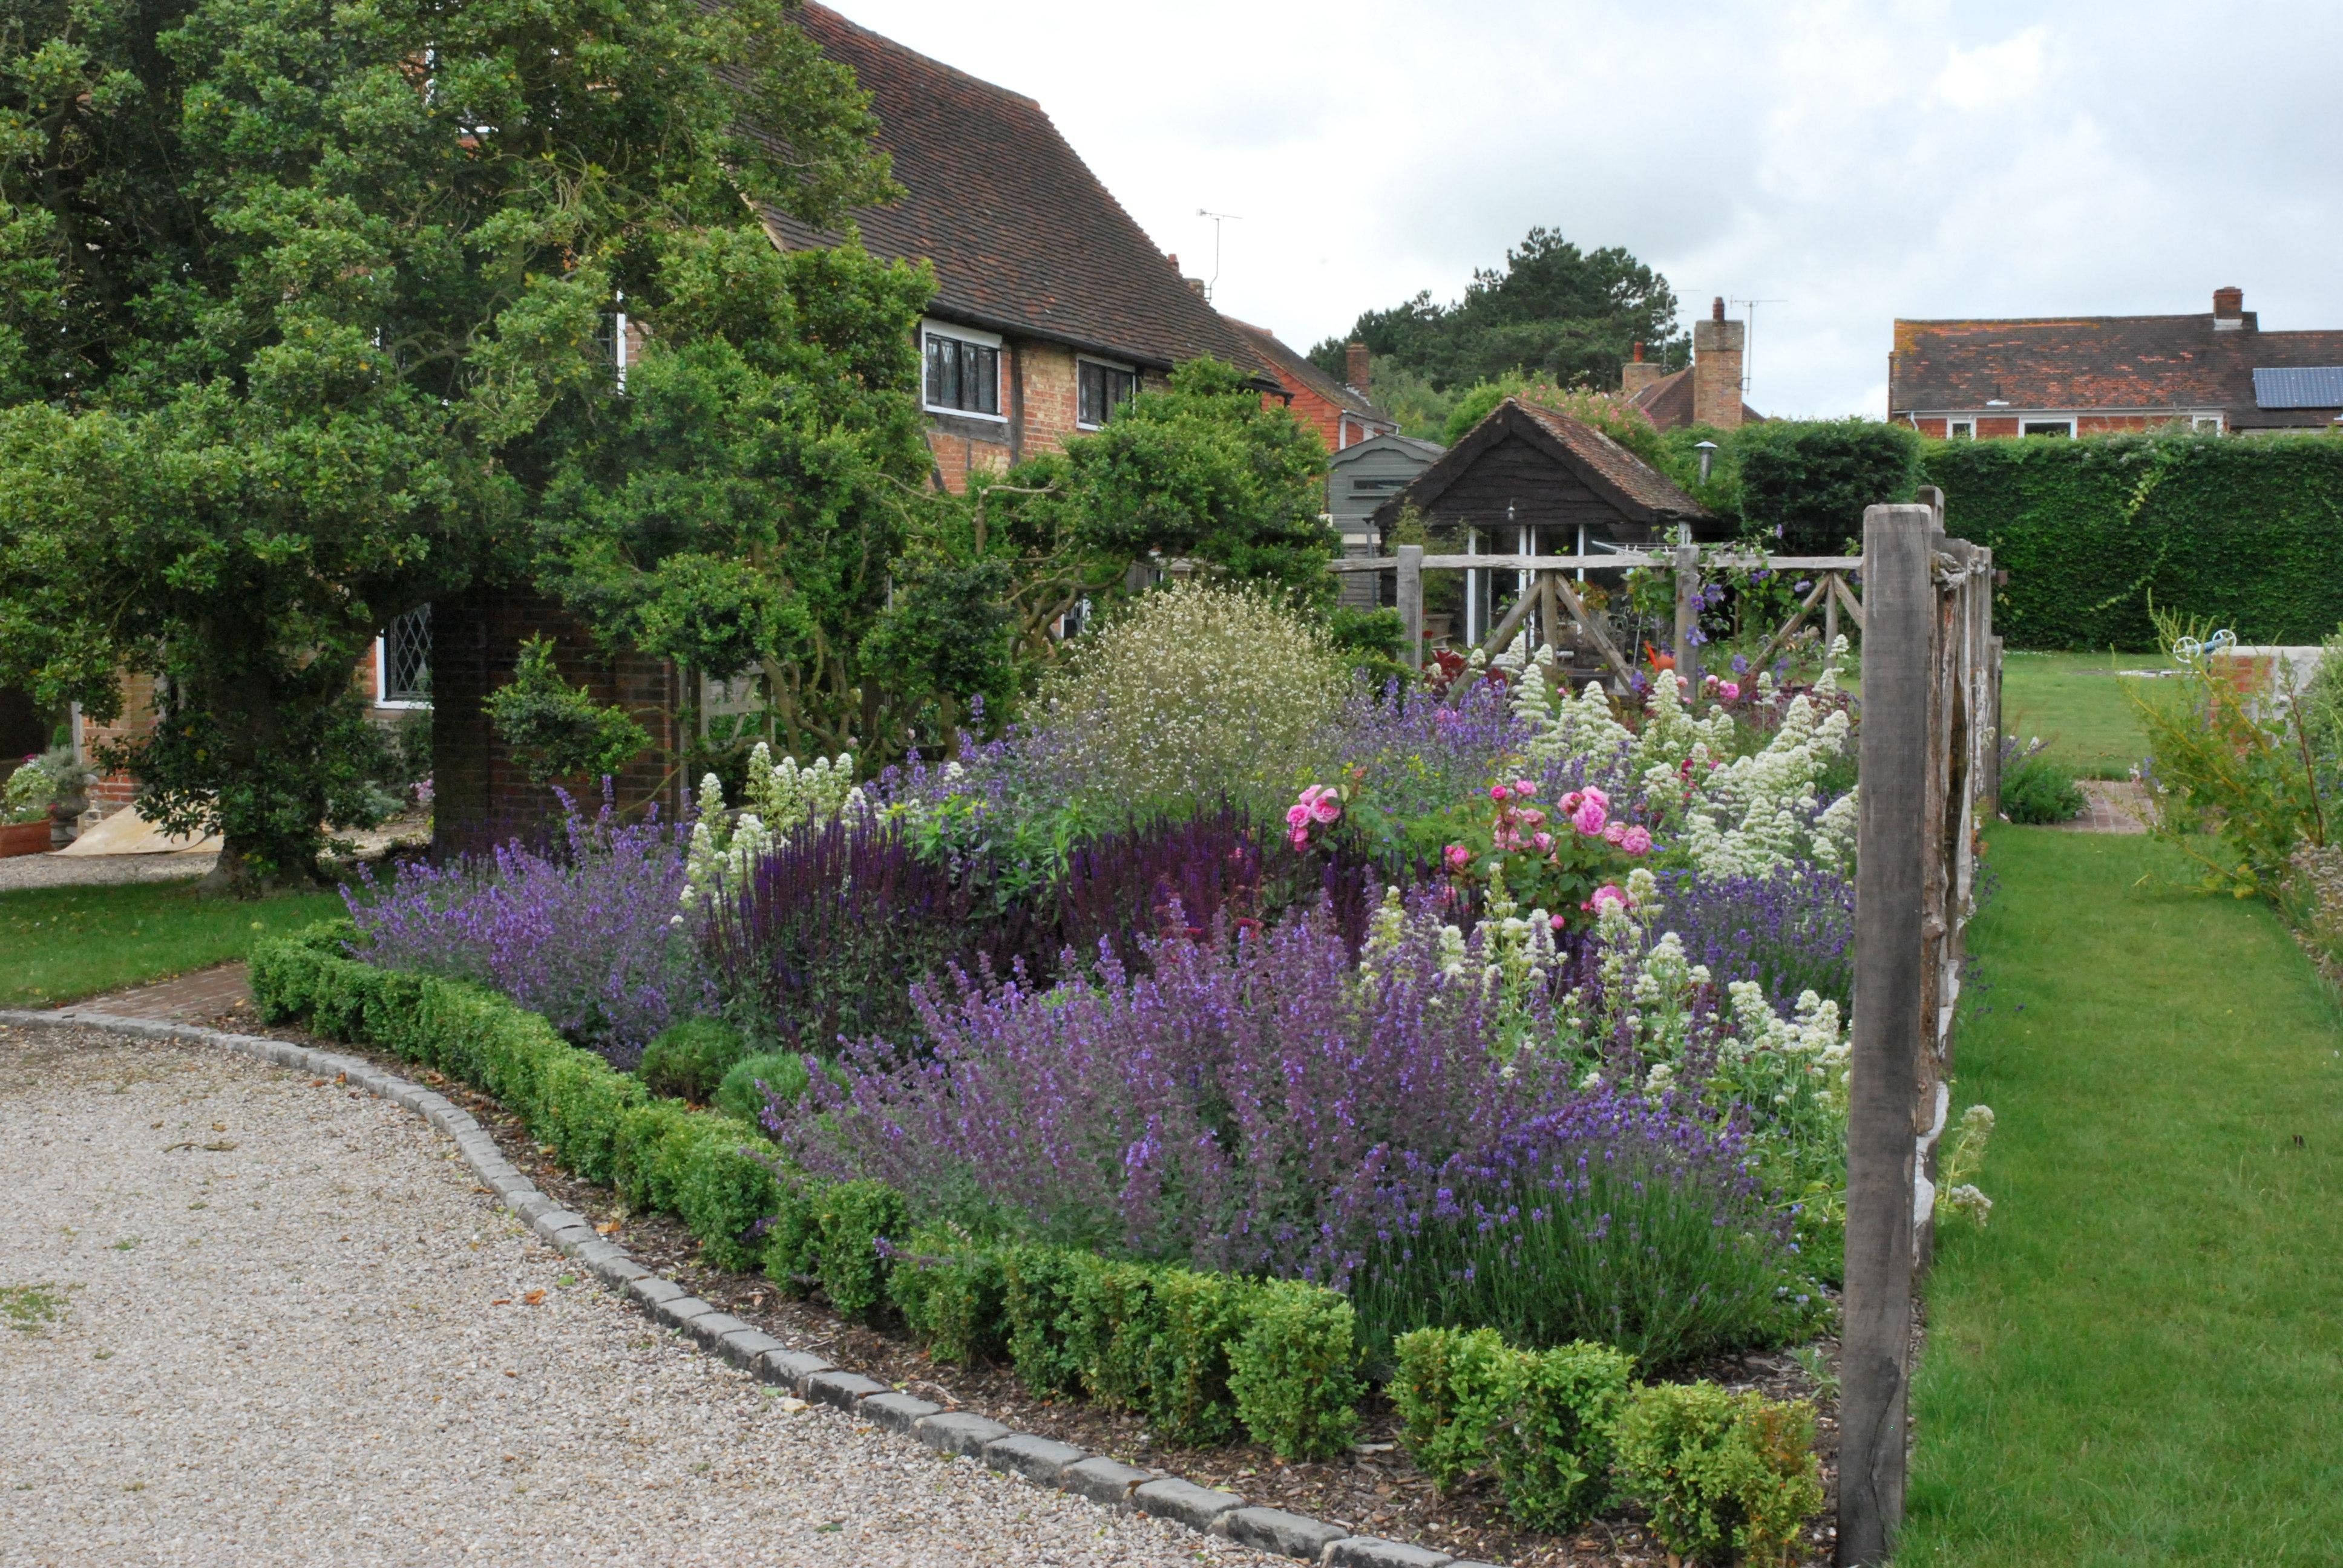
pixel 1597 796
pixel 1555 921
pixel 1608 893
pixel 1524 789
pixel 1327 808
pixel 1730 690
pixel 1459 857
pixel 1533 819
pixel 1637 840
pixel 1499 793
pixel 1590 817
pixel 1545 842
pixel 1299 838
pixel 1614 832
pixel 1297 816
pixel 1569 802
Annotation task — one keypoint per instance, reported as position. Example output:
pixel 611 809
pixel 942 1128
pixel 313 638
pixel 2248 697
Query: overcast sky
pixel 1853 162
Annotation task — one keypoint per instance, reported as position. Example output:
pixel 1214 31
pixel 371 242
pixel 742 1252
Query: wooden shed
pixel 1360 478
pixel 1529 480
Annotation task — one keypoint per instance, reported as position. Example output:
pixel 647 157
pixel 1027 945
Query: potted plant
pixel 36 790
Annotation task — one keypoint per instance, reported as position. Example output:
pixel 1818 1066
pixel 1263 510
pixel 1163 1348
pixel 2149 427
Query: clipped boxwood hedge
pixel 2245 531
pixel 1204 1355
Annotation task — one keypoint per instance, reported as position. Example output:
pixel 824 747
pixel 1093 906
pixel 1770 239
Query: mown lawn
pixel 2141 1360
pixel 2078 703
pixel 58 944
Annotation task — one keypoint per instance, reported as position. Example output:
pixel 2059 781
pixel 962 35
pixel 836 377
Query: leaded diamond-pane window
pixel 407 657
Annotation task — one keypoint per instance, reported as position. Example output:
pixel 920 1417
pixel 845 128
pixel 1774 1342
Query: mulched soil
pixel 1376 1490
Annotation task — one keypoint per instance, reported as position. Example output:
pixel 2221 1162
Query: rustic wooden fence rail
pixel 1930 773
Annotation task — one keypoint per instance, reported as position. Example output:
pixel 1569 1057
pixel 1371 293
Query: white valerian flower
pixel 1967 1199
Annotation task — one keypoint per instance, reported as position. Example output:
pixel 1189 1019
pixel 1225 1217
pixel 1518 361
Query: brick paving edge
pixel 1043 1461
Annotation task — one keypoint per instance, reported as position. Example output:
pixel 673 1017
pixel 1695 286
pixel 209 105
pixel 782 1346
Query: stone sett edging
pixel 1043 1461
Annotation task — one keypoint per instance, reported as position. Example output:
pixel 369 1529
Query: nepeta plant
pixel 580 932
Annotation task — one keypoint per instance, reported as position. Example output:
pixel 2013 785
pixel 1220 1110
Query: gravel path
pixel 18 872
pixel 291 1330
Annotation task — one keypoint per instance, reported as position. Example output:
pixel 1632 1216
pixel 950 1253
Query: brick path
pixel 2111 805
pixel 197 998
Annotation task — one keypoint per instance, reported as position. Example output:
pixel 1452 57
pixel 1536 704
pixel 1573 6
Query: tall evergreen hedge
pixel 2245 531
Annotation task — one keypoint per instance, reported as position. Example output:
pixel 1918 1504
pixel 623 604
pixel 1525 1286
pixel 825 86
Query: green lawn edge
pixel 60 945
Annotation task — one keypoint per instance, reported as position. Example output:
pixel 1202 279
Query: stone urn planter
pixel 24 839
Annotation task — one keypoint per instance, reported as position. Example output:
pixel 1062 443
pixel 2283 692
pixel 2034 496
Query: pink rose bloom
pixel 1534 818
pixel 1590 817
pixel 1299 838
pixel 1555 921
pixel 1327 808
pixel 1545 842
pixel 1637 840
pixel 1499 793
pixel 1569 802
pixel 1459 857
pixel 1524 789
pixel 1597 796
pixel 1297 816
pixel 1608 893
pixel 1614 832
pixel 1730 690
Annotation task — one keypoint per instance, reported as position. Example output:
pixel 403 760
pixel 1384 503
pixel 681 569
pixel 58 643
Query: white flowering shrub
pixel 778 801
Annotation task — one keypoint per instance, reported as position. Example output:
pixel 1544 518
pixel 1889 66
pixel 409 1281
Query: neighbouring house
pixel 1360 478
pixel 1705 392
pixel 1528 481
pixel 1052 307
pixel 2087 375
pixel 1339 411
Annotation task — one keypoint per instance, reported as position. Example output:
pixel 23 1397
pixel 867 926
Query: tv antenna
pixel 1218 219
pixel 1749 347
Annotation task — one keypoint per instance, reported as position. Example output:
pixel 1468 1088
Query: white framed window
pixel 1101 386
pixel 2047 427
pixel 961 370
pixel 610 337
pixel 1960 429
pixel 402 661
pixel 2206 423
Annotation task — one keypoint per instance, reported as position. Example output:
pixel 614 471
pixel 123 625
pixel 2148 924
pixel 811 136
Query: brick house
pixel 1705 392
pixel 2089 375
pixel 1339 411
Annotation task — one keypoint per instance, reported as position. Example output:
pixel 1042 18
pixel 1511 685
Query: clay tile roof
pixel 1667 402
pixel 2138 363
pixel 1630 475
pixel 1280 361
pixel 1024 238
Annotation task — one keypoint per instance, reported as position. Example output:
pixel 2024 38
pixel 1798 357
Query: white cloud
pixel 1856 161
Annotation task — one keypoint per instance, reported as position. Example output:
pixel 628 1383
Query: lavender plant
pixel 1790 929
pixel 579 932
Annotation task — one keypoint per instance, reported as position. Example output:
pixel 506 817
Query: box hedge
pixel 1202 1354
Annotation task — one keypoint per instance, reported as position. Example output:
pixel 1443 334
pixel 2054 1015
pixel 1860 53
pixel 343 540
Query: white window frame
pixel 930 327
pixel 382 698
pixel 2217 424
pixel 1960 429
pixel 2065 419
pixel 1103 363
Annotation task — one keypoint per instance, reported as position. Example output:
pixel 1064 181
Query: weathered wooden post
pixel 1688 617
pixel 1830 618
pixel 1899 621
pixel 1410 603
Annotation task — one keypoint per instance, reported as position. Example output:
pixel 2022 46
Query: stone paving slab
pixel 2111 805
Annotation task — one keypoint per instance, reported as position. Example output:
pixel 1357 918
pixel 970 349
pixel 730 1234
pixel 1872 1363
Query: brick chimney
pixel 1716 346
pixel 2229 309
pixel 1637 374
pixel 1358 365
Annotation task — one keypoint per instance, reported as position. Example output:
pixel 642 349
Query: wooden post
pixel 1830 615
pixel 1688 618
pixel 1410 603
pixel 1899 601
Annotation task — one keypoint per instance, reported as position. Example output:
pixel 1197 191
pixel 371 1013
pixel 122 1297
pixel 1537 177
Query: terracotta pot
pixel 24 839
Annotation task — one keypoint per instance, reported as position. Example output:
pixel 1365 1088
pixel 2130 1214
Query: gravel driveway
pixel 288 1329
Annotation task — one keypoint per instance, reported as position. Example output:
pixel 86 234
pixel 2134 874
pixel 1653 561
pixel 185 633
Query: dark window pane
pixel 984 378
pixel 1092 406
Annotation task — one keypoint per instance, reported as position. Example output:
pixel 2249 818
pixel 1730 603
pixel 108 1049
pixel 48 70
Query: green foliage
pixel 1726 1476
pixel 852 1220
pixel 2035 787
pixel 1568 315
pixel 743 1090
pixel 2235 777
pixel 689 1061
pixel 557 730
pixel 1370 641
pixel 40 782
pixel 952 1295
pixel 1630 426
pixel 2239 533
pixel 292 341
pixel 1805 483
pixel 1542 1420
pixel 1294 1374
pixel 1036 1282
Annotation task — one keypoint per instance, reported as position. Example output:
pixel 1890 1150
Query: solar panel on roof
pixel 2299 386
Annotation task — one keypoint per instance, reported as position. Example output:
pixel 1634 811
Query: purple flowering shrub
pixel 1636 1221
pixel 1217 1108
pixel 1790 929
pixel 581 930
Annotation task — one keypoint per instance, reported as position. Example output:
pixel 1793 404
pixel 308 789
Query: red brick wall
pixel 1047 396
pixel 113 791
pixel 480 794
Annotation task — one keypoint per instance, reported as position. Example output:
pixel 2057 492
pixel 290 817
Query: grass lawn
pixel 58 944
pixel 2078 703
pixel 2139 1360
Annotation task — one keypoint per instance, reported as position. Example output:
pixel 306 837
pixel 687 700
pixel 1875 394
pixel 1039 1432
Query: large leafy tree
pixel 1556 313
pixel 299 310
